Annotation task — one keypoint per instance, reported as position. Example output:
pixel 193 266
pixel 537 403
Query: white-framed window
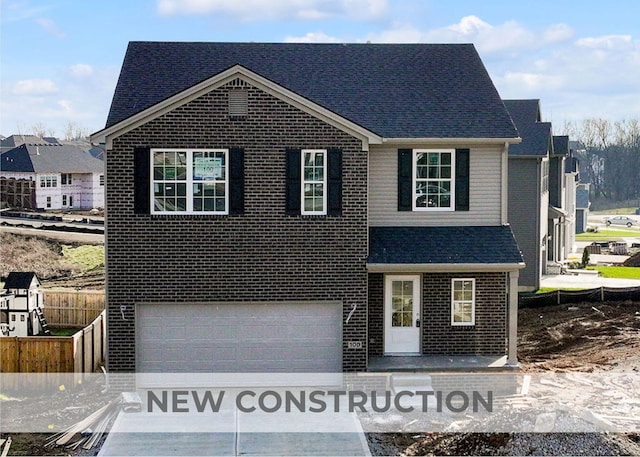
pixel 49 181
pixel 463 301
pixel 48 202
pixel 101 178
pixel 190 181
pixel 314 181
pixel 433 179
pixel 66 179
pixel 64 200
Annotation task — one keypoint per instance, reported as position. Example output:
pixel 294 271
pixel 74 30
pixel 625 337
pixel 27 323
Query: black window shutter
pixel 334 193
pixel 405 178
pixel 462 179
pixel 142 183
pixel 236 181
pixel 294 181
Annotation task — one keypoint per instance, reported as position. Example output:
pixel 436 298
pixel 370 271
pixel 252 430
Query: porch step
pixel 411 381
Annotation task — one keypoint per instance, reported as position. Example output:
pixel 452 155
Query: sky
pixel 60 59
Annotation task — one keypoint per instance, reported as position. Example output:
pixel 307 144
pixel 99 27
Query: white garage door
pixel 274 337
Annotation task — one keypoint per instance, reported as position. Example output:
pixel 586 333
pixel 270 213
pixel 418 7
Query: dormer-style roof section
pixel 561 145
pixel 391 90
pixel 21 280
pixel 536 136
pixel 49 158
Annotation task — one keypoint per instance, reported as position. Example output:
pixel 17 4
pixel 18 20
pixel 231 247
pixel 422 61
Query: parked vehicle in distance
pixel 621 220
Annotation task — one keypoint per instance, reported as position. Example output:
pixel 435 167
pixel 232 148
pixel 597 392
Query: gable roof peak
pixel 432 90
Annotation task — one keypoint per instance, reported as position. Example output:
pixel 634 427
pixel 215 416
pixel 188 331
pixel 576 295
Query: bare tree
pixel 74 132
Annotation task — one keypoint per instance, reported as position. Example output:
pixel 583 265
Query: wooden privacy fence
pixel 72 309
pixel 82 352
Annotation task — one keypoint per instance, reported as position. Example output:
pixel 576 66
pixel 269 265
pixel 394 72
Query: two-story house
pixel 59 176
pixel 529 207
pixel 306 207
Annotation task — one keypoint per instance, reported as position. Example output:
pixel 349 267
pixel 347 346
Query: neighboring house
pixel 529 207
pixel 61 176
pixel 306 208
pixel 558 217
pixel 13 141
pixel 21 306
pixel 572 179
pixel 582 207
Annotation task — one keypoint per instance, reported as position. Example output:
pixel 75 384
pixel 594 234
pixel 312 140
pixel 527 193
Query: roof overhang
pixel 107 135
pixel 442 267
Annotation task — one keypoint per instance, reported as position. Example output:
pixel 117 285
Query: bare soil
pixel 581 337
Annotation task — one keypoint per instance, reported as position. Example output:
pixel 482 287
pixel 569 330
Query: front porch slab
pixel 438 363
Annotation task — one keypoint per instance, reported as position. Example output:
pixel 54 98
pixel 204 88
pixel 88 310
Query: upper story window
pixel 433 179
pixel 314 181
pixel 49 181
pixel 66 179
pixel 189 181
pixel 101 179
pixel 433 176
pixel 463 301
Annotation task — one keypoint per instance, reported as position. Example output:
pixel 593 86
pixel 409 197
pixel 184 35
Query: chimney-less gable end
pixel 407 182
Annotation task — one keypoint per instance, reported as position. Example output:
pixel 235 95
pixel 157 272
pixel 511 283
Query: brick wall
pixel 487 336
pixel 376 314
pixel 263 255
pixel 439 337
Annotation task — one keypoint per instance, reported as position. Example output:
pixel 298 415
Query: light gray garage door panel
pixel 277 337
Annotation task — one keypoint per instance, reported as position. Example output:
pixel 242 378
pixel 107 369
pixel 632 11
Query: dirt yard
pixel 579 337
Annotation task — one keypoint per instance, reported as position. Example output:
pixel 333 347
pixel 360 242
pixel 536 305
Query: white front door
pixel 402 314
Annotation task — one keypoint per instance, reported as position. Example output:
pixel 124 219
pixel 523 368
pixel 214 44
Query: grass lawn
pixel 606 234
pixel 544 290
pixel 618 272
pixel 86 256
pixel 624 211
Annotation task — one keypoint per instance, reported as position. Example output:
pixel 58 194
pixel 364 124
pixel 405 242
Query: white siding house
pixel 65 176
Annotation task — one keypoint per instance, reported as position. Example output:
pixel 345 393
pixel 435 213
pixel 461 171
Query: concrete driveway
pixel 230 432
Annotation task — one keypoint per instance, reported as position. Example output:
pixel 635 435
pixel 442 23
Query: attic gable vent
pixel 238 102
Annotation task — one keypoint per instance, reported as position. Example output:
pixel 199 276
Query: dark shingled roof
pixel 536 135
pixel 560 145
pixel 49 158
pixel 441 245
pixel 20 280
pixel 393 90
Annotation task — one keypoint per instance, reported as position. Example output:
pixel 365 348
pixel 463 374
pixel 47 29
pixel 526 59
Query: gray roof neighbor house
pixel 49 158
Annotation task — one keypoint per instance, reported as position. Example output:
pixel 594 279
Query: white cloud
pixel 509 36
pixel 276 9
pixel 81 70
pixel 605 42
pixel 313 37
pixel 34 87
pixel 50 27
pixel 54 103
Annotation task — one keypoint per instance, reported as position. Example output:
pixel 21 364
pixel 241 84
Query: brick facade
pixel 263 255
pixel 487 337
